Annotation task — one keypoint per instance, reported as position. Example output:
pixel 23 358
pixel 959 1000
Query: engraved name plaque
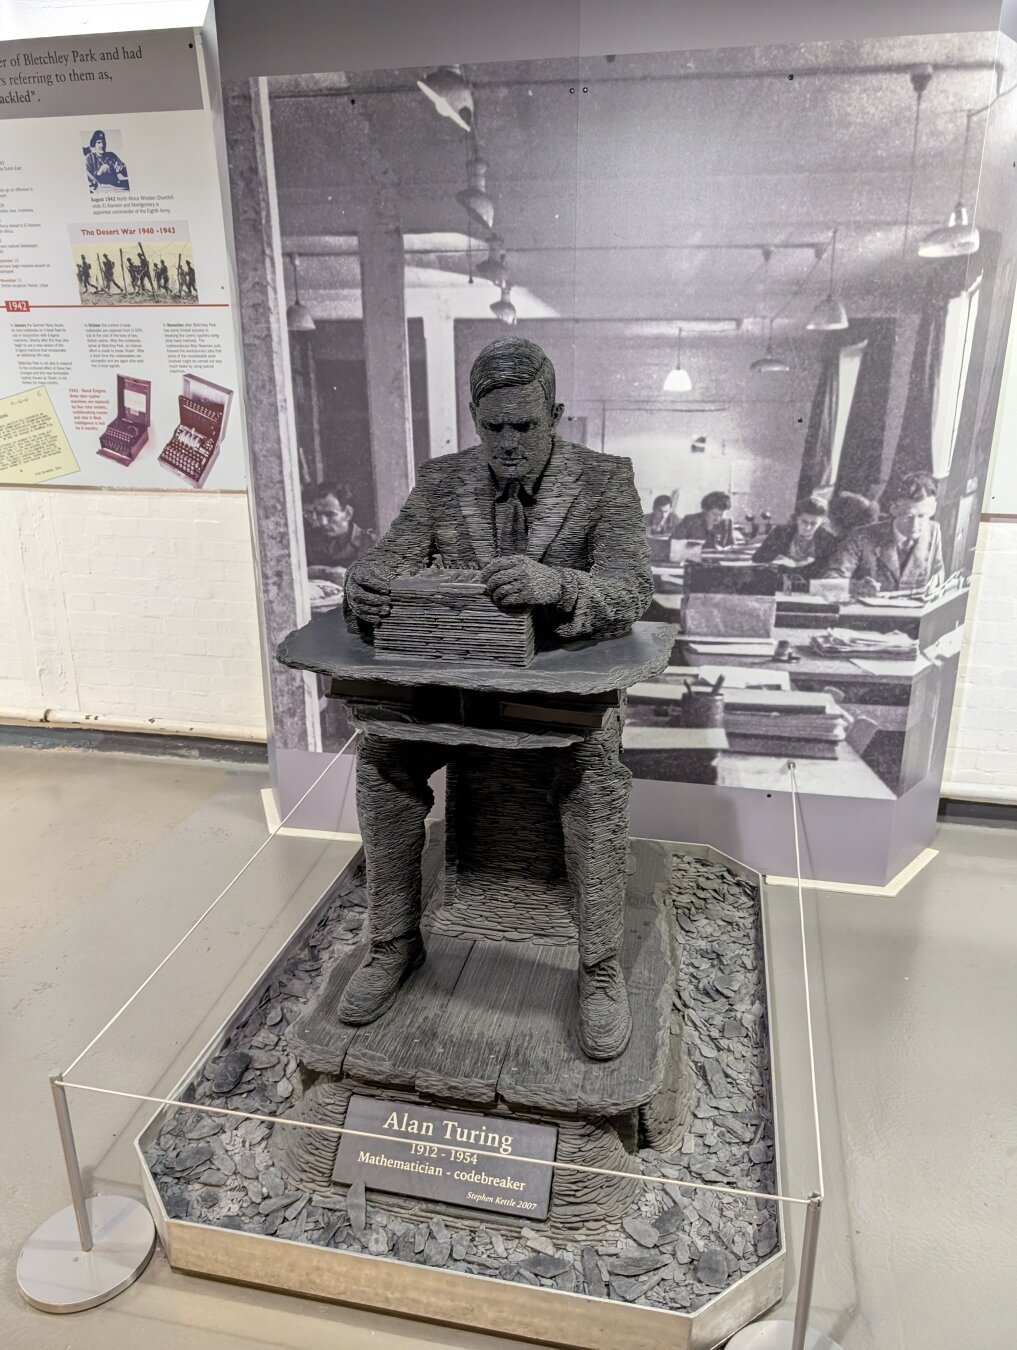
pixel 448 1155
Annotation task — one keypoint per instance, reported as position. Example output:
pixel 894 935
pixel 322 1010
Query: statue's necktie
pixel 510 519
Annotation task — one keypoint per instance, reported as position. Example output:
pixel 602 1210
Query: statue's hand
pixel 518 580
pixel 367 593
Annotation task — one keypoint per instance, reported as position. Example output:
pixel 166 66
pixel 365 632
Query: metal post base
pixel 57 1276
pixel 777 1336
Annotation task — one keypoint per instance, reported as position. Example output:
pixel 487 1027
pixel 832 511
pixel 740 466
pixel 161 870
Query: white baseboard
pixel 274 827
pixel 893 887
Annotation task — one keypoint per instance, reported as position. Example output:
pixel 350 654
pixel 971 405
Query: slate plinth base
pixel 223 1207
pixel 489 1025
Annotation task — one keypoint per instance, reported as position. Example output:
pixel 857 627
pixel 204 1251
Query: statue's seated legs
pixel 590 788
pixel 393 799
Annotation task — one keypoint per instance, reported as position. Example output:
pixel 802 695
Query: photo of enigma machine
pixel 126 436
pixel 194 446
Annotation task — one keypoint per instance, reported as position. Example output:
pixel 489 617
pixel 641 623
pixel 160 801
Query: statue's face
pixel 516 429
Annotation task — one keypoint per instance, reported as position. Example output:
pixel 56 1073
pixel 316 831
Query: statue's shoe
pixel 605 1020
pixel 374 984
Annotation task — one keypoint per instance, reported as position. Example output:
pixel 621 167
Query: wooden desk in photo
pixel 800 610
pixel 653 748
pixel 897 699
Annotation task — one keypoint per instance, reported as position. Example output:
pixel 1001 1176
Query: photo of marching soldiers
pixel 135 272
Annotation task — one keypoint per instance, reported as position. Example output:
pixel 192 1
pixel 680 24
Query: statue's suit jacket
pixel 587 523
pixel 871 552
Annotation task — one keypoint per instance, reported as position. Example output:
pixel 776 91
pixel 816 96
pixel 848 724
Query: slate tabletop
pixel 582 666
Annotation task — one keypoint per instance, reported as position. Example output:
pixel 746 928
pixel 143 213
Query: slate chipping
pixel 706 1241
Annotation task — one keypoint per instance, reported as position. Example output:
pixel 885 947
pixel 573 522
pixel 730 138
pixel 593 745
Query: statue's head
pixel 512 393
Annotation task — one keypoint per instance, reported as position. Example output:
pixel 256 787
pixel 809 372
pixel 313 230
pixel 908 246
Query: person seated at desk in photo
pixel 803 544
pixel 903 552
pixel 711 523
pixel 332 540
pixel 659 520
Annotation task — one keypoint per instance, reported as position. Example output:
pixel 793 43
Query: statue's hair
pixel 508 362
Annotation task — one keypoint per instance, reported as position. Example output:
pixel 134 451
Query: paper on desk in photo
pixel 907 668
pixel 674 738
pixel 863 642
pixel 654 691
pixel 33 445
pixel 903 600
pixel 828 590
pixel 733 646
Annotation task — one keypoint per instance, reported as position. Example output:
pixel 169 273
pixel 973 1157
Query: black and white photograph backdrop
pixel 778 279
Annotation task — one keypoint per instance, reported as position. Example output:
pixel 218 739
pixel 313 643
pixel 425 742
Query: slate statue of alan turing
pixel 550 525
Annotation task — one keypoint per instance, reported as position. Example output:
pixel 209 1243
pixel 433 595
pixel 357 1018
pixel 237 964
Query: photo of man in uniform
pixel 85 275
pixel 104 168
pixel 109 274
pixel 144 271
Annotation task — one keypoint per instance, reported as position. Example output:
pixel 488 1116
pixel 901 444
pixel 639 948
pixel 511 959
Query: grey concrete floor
pixel 107 860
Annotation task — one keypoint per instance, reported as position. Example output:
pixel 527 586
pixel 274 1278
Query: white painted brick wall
pixel 129 608
pixel 982 749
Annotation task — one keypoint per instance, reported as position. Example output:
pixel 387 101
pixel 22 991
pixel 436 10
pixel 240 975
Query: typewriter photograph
pixel 193 448
pixel 127 435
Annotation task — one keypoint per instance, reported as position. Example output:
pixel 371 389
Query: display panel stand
pixel 89 1252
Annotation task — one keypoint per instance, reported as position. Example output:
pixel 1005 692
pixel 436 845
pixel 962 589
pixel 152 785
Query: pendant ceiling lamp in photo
pixel 494 268
pixel 768 364
pixel 829 315
pixel 678 380
pixel 448 90
pixel 473 198
pixel 504 309
pixel 958 238
pixel 298 316
pixel 921 78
